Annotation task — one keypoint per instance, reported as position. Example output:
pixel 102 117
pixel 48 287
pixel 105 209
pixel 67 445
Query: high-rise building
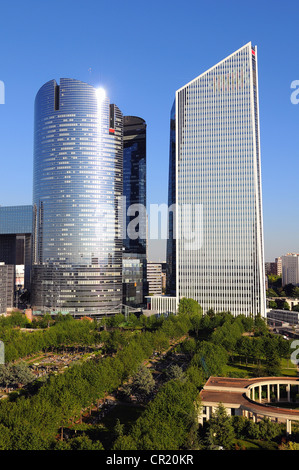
pixel 218 255
pixel 134 192
pixel 77 183
pixel 290 269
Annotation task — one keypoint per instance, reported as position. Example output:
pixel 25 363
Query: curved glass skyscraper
pixel 78 178
pixel 215 181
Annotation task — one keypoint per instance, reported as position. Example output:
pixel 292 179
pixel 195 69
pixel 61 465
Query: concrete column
pixel 278 393
pixel 268 393
pixel 254 417
pixel 289 392
pixel 289 427
pixel 260 393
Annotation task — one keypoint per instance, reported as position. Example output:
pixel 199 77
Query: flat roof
pixel 233 391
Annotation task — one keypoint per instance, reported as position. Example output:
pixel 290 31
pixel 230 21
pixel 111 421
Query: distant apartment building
pixel 278 262
pixel 274 268
pixel 271 268
pixel 7 282
pixel 154 278
pixel 290 269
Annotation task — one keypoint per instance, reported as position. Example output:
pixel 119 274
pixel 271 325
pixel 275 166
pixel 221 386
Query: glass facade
pixel 134 180
pixel 16 238
pixel 16 219
pixel 133 279
pixel 134 191
pixel 171 240
pixel 77 183
pixel 219 232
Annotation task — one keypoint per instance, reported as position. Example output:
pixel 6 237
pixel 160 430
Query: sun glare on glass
pixel 101 94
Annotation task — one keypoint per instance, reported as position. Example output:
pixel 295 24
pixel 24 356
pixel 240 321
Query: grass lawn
pixel 239 370
pixel 288 368
pixel 243 370
pixel 281 404
pixel 254 444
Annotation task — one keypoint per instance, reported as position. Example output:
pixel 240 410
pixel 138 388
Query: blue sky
pixel 142 52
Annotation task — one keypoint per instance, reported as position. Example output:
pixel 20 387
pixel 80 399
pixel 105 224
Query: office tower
pixel 77 183
pixel 15 241
pixel 134 192
pixel 290 269
pixel 7 275
pixel 154 278
pixel 218 252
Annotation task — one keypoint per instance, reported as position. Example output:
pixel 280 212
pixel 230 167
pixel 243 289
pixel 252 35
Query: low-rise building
pixel 251 398
pixel 283 316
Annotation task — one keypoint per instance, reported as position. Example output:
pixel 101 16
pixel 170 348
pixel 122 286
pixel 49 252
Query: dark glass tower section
pixel 134 191
pixel 78 179
pixel 16 239
pixel 171 243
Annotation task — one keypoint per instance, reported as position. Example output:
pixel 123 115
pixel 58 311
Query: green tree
pixel 84 443
pixel 118 429
pixel 211 313
pixel 260 326
pixel 211 358
pixel 220 429
pixel 271 293
pixel 244 347
pixel 295 292
pixel 189 307
pixel 22 374
pixel 272 363
pixel 5 437
pixel 289 289
pixel 175 372
pixel 143 382
pixel 268 429
pixel 189 347
pixel 125 443
pixel 195 376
